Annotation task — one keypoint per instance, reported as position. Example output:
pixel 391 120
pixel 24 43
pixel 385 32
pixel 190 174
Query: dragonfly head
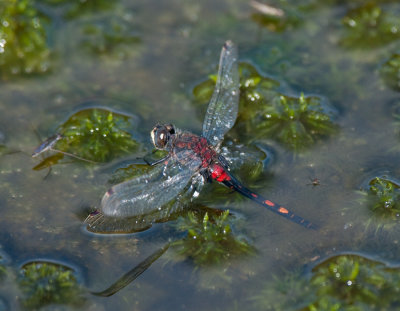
pixel 161 134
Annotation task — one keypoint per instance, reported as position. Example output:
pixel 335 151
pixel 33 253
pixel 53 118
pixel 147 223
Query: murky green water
pixel 144 59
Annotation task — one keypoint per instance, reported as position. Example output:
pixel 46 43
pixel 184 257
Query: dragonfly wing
pixel 223 107
pixel 97 222
pixel 146 194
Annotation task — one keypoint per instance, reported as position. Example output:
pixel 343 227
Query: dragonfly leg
pixel 206 175
pixel 157 161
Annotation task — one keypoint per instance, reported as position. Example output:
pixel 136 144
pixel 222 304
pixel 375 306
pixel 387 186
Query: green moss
pixel 390 72
pixel 111 36
pixel 209 240
pixel 383 198
pixel 3 272
pixel 345 282
pixel 355 283
pixel 44 283
pixel 369 26
pixel 95 134
pixel 76 8
pixel 292 291
pixel 296 122
pixel 23 46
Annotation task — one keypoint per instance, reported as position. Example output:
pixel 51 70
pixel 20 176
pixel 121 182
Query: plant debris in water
pixel 44 283
pixel 210 240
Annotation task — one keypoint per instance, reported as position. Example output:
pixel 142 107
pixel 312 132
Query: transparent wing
pixel 223 107
pixel 147 193
pixel 97 222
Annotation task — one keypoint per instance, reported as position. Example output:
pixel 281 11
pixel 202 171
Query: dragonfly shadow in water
pixel 208 240
pixel 133 274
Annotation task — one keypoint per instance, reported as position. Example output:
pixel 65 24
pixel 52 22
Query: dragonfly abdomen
pixel 219 174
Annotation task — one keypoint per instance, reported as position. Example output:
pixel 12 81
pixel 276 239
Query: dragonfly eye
pixel 160 135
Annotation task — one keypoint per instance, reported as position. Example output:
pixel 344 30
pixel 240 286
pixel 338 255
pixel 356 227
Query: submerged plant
pixel 3 272
pixel 370 26
pixel 291 291
pixel 76 8
pixel 390 72
pixel 44 283
pixel 112 36
pixel 345 282
pixel 383 198
pixel 296 122
pixel 209 240
pixel 23 46
pixel 96 135
pixel 353 281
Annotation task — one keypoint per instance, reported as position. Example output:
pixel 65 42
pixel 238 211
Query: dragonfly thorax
pixel 161 134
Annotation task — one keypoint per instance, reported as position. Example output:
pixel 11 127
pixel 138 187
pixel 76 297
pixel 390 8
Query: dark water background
pixel 174 46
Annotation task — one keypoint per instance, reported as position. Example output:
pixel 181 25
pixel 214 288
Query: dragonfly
pixel 192 160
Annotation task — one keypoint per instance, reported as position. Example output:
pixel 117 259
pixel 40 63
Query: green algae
pixel 76 8
pixel 44 283
pixel 23 39
pixel 95 135
pixel 390 72
pixel 370 25
pixel 209 240
pixel 383 198
pixel 296 122
pixel 112 35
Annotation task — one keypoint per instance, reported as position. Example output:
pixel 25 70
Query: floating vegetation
pixel 112 36
pixel 345 282
pixel 354 281
pixel 23 46
pixel 44 283
pixel 94 134
pixel 292 291
pixel 210 240
pixel 369 25
pixel 390 72
pixel 296 122
pixel 76 8
pixel 383 198
pixel 3 272
pixel 255 91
